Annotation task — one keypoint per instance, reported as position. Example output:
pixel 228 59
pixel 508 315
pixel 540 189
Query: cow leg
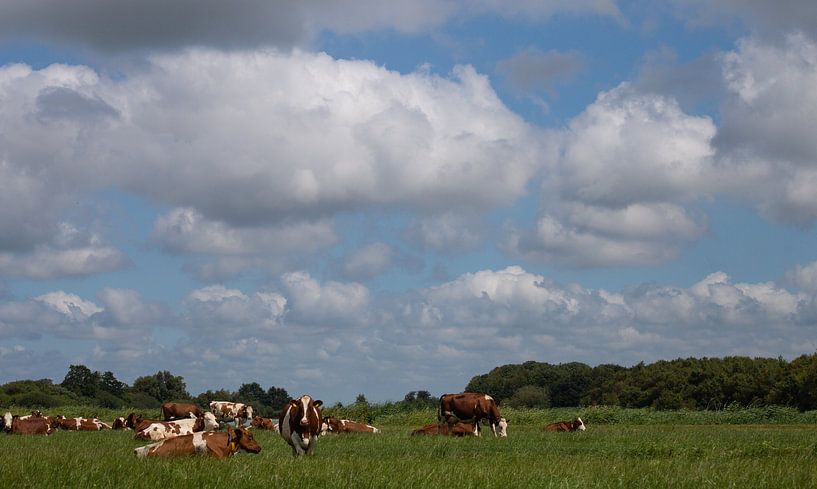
pixel 297 443
pixel 311 448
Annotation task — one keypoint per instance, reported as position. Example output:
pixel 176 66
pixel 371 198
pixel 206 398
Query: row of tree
pixel 690 383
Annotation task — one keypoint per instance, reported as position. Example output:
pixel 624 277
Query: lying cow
pixel 82 424
pixel 332 424
pixel 38 425
pixel 217 445
pixel 576 424
pixel 459 429
pixel 137 423
pixel 178 410
pixel 300 424
pixel 170 429
pixel 471 407
pixel 8 419
pixel 228 411
pixel 34 414
pixel 119 424
pixel 264 423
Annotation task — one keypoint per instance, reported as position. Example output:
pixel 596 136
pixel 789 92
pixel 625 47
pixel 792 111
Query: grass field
pixel 606 455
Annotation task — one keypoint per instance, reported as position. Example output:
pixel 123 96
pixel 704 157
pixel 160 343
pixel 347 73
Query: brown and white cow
pixel 180 410
pixel 264 423
pixel 331 424
pixel 228 411
pixel 8 419
pixel 34 414
pixel 459 429
pixel 82 424
pixel 170 429
pixel 576 424
pixel 471 407
pixel 300 424
pixel 38 425
pixel 120 424
pixel 213 444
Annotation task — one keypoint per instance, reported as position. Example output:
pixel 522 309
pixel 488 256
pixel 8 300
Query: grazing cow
pixel 459 429
pixel 300 424
pixel 179 410
pixel 332 424
pixel 228 411
pixel 471 407
pixel 82 424
pixel 170 429
pixel 217 445
pixel 119 424
pixel 576 424
pixel 34 426
pixel 264 423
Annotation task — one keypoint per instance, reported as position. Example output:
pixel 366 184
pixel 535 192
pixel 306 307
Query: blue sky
pixel 352 197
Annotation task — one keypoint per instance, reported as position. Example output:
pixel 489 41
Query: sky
pixel 344 197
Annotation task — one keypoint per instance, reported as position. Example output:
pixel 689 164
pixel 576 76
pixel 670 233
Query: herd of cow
pixel 187 430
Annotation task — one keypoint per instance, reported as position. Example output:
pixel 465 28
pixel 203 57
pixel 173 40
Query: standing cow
pixel 228 411
pixel 471 407
pixel 217 445
pixel 180 410
pixel 300 424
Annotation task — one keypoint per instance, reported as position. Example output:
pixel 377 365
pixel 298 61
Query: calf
pixel 228 411
pixel 170 429
pixel 471 407
pixel 300 424
pixel 459 429
pixel 179 410
pixel 332 424
pixel 82 424
pixel 576 424
pixel 217 445
pixel 264 423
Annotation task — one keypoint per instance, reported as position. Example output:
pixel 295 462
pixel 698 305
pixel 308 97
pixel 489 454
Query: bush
pixel 529 396
pixel 143 401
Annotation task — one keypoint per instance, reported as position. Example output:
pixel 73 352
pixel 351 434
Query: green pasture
pixel 646 454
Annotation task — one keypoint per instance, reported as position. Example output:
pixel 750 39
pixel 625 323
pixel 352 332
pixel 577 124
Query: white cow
pixel 171 429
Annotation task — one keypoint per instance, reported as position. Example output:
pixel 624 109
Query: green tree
pixel 110 384
pixel 529 396
pixel 81 380
pixel 277 397
pixel 162 386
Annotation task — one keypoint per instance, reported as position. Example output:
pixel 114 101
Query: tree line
pixel 684 383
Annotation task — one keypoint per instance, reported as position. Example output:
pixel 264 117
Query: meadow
pixel 660 450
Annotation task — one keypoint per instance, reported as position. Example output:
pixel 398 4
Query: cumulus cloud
pixel 628 163
pixel 335 302
pixel 767 152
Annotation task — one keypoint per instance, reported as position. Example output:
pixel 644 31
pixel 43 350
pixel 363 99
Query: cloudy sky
pixel 343 197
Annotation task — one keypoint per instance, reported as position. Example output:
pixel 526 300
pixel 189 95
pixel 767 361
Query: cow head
pixel 210 422
pixel 257 422
pixel 241 439
pixel 8 418
pixel 578 424
pixel 132 420
pixel 305 411
pixel 502 427
pixel 329 424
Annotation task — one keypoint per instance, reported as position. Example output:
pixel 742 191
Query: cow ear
pixel 318 403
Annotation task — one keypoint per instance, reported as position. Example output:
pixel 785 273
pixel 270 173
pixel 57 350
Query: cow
pixel 459 429
pixel 171 429
pixel 38 425
pixel 82 424
pixel 300 424
pixel 227 411
pixel 213 444
pixel 8 419
pixel 136 422
pixel 471 407
pixel 576 424
pixel 34 414
pixel 178 410
pixel 331 424
pixel 120 424
pixel 264 423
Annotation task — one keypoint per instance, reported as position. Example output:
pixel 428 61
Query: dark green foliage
pixel 162 386
pixel 81 380
pixel 690 383
pixel 277 397
pixel 529 396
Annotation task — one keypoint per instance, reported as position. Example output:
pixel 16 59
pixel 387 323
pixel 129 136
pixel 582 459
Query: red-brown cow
pixel 459 429
pixel 300 424
pixel 213 444
pixel 576 424
pixel 119 424
pixel 264 423
pixel 82 424
pixel 332 424
pixel 34 426
pixel 471 407
pixel 179 410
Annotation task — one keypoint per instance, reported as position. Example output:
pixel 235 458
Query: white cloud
pixel 331 302
pixel 804 277
pixel 69 304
